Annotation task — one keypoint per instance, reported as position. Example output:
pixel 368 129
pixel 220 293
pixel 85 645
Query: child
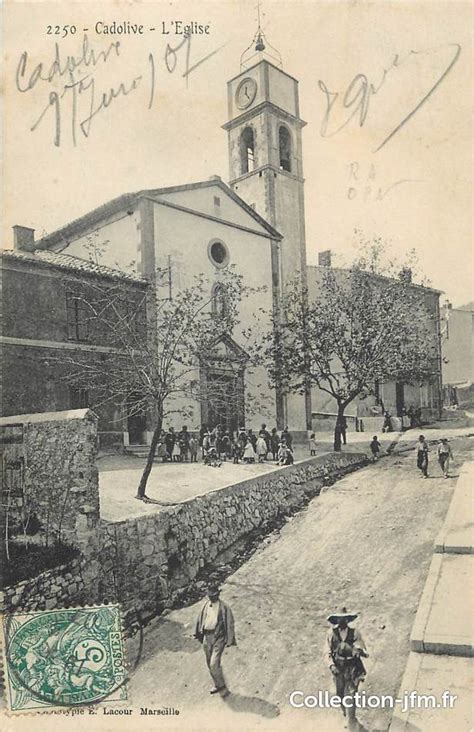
pixel 206 444
pixel 312 444
pixel 285 454
pixel 444 456
pixel 375 448
pixel 422 456
pixel 176 455
pixel 274 443
pixel 261 448
pixel 249 453
pixel 212 458
pixel 225 446
pixel 193 449
pixel 236 452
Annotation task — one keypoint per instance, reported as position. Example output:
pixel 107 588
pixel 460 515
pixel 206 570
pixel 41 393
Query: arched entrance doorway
pixel 223 386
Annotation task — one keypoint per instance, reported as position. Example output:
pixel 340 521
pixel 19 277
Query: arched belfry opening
pixel 247 150
pixel 284 147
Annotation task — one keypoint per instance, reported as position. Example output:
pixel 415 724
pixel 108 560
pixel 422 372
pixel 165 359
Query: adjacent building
pixel 45 327
pixel 394 397
pixel 457 329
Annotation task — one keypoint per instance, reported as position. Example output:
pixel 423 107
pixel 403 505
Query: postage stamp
pixel 64 658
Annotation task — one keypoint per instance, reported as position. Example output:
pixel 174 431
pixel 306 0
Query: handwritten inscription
pixel 355 102
pixel 72 81
pixel 364 183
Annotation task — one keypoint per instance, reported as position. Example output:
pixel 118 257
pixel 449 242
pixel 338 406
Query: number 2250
pixel 61 30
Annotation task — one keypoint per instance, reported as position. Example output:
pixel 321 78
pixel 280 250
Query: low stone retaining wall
pixel 147 561
pixel 54 588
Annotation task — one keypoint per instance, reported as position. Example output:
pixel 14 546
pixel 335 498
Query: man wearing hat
pixel 345 648
pixel 215 630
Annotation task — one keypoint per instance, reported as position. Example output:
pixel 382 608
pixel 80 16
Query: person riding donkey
pixel 345 648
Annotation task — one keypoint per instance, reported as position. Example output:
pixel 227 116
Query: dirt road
pixel 367 543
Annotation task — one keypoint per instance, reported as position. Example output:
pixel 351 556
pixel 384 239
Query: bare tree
pixel 161 347
pixel 368 324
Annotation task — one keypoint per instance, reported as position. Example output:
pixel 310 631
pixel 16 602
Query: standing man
pixel 215 630
pixel 422 456
pixel 287 437
pixel 183 440
pixel 170 439
pixel 345 648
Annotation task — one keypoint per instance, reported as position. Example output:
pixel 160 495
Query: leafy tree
pixel 159 346
pixel 367 324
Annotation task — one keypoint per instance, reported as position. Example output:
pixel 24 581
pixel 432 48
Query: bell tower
pixel 266 169
pixel 265 151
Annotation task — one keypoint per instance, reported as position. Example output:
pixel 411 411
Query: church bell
pixel 259 46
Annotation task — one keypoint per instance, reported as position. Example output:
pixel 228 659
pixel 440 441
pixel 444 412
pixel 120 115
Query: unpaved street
pixel 367 543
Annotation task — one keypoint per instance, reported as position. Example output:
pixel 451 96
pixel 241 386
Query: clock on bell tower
pixel 265 155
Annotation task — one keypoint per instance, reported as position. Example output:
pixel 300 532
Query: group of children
pixel 177 447
pixel 246 446
pixel 218 445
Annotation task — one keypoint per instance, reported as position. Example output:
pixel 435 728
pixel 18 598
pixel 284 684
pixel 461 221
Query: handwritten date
pixel 73 80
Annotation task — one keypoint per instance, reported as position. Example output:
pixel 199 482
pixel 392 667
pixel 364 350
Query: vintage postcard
pixel 237 401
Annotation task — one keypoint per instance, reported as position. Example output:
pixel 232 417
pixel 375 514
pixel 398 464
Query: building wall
pixel 34 382
pixel 35 342
pixel 116 241
pixel 458 346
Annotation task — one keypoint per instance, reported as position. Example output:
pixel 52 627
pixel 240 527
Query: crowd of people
pixel 219 444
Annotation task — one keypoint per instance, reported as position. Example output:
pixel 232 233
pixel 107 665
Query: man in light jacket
pixel 215 630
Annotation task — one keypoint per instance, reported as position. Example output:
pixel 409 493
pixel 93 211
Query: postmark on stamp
pixel 64 658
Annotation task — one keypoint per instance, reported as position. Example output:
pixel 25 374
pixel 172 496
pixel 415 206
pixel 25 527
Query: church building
pixel 256 223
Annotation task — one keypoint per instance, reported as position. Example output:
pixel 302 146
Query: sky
pixel 385 89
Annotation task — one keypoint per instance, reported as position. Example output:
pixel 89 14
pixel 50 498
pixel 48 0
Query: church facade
pixel 181 231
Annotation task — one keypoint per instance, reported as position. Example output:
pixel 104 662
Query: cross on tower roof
pixel 258 49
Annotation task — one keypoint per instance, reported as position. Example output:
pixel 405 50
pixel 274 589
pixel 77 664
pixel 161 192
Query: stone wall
pixel 145 562
pixel 54 588
pixel 50 473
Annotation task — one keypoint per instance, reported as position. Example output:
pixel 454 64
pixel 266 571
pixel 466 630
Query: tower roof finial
pixel 258 48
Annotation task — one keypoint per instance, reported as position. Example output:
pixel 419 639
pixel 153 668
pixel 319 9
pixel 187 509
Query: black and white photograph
pixel 237 376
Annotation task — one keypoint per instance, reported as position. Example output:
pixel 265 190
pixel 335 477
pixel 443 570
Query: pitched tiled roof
pixel 128 200
pixel 375 275
pixel 67 262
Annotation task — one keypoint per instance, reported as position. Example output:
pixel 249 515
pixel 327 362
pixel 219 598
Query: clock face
pixel 245 93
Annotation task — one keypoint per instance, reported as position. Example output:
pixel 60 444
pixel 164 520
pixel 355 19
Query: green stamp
pixel 64 658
